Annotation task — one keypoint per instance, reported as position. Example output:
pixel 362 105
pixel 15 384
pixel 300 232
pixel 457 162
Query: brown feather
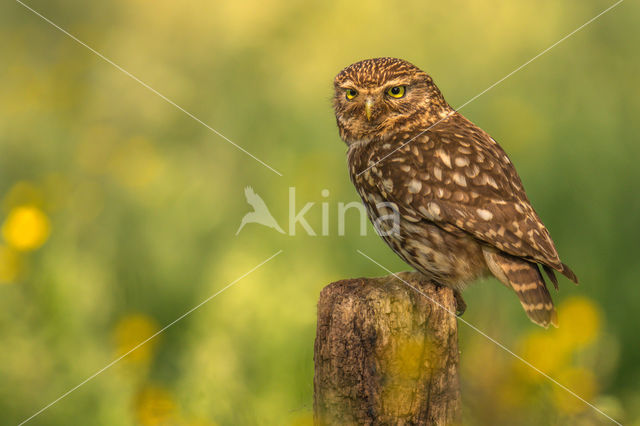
pixel 461 207
pixel 527 281
pixel 567 272
pixel 551 275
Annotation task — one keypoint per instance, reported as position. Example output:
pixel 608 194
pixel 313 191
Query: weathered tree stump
pixel 385 354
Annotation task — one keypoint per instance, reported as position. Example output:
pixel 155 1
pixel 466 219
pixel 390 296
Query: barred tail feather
pixel 534 296
pixel 526 280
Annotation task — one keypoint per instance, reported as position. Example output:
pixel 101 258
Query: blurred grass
pixel 119 211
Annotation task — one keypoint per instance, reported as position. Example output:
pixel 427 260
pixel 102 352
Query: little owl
pixel 462 212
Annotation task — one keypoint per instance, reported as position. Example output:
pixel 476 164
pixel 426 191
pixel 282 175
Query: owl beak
pixel 368 105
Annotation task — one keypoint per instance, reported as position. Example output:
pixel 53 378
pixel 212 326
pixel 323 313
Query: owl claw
pixel 461 306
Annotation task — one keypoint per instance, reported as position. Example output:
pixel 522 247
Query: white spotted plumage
pixel 463 212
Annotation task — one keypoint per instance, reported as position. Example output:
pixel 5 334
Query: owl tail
pixel 526 280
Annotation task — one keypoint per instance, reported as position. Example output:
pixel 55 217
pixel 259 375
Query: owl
pixel 459 208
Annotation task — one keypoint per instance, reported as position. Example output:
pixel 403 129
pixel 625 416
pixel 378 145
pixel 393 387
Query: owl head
pixel 376 97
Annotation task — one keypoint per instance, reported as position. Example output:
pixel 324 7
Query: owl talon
pixel 461 306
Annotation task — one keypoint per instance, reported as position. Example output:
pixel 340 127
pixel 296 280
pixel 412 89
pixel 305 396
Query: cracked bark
pixel 385 354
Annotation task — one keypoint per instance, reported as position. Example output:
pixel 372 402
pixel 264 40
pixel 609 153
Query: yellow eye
pixel 351 93
pixel 396 92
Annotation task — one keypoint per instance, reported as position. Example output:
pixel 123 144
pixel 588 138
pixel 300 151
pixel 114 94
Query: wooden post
pixel 385 354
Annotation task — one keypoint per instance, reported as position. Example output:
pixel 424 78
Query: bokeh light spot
pixel 579 380
pixel 580 320
pixel 155 406
pixel 26 228
pixel 130 332
pixel 544 351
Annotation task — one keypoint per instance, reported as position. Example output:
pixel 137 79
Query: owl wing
pixel 458 177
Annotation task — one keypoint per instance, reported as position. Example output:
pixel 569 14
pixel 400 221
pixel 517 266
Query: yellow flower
pixel 579 321
pixel 155 407
pixel 26 228
pixel 579 380
pixel 543 350
pixel 9 265
pixel 130 332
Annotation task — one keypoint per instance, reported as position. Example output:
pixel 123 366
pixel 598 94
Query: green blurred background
pixel 119 212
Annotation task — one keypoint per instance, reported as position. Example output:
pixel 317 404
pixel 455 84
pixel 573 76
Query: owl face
pixel 377 96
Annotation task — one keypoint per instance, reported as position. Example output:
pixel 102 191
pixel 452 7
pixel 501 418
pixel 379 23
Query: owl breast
pixel 449 256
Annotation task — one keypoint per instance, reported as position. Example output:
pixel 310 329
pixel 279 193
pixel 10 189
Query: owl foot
pixel 461 306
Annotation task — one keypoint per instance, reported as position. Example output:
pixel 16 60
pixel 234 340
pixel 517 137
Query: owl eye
pixel 351 93
pixel 396 91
